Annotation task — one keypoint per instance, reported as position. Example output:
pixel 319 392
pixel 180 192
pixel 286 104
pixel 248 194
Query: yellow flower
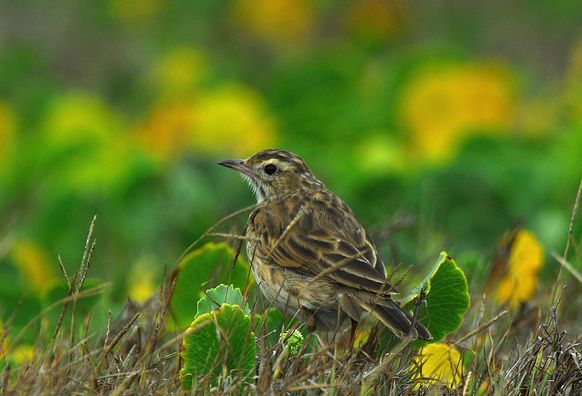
pixel 519 283
pixel 230 119
pixel 179 70
pixel 141 280
pixel 167 131
pixel 380 154
pixel 86 136
pixel 438 363
pixel 233 119
pixel 22 354
pixel 442 105
pixel 77 117
pixel 34 265
pixel 275 21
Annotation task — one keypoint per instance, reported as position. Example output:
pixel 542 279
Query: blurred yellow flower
pixel 84 131
pixel 438 363
pixel 141 280
pixel 167 130
pixel 275 21
pixel 7 127
pixel 179 70
pixel 77 117
pixel 133 12
pixel 22 354
pixel 376 19
pixel 380 154
pixel 519 282
pixel 34 264
pixel 442 105
pixel 229 119
pixel 233 119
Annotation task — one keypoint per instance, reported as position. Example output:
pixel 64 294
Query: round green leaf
pixel 206 267
pixel 219 295
pixel 220 341
pixel 447 298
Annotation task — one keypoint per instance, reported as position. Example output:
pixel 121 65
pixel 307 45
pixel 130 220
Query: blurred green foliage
pixel 459 114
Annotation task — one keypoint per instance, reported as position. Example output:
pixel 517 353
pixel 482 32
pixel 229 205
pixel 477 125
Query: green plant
pixel 209 265
pixel 446 300
pixel 221 294
pixel 220 340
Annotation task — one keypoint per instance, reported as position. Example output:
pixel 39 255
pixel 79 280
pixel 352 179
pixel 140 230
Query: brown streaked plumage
pixel 308 252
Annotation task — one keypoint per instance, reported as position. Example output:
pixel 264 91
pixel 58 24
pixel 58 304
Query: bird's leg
pixel 311 324
pixel 309 317
pixel 420 300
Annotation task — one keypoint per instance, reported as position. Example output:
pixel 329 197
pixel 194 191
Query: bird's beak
pixel 234 164
pixel 238 165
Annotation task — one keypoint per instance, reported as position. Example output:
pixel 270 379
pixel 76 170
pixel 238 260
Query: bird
pixel 309 254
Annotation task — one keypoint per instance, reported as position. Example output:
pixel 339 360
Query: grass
pixel 536 349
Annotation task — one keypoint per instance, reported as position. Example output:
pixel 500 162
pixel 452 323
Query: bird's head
pixel 274 173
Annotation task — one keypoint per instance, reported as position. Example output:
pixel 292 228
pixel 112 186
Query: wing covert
pixel 320 235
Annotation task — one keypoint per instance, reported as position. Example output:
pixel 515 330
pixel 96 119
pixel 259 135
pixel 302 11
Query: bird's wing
pixel 319 235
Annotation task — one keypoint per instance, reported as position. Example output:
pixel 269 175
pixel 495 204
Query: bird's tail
pixel 394 317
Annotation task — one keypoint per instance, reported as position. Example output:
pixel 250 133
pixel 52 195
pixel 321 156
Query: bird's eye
pixel 270 169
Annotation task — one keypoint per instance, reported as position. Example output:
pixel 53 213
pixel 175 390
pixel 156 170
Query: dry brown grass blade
pixel 94 291
pixel 87 255
pixel 80 277
pixel 120 335
pixel 112 345
pixel 212 228
pixel 569 267
pixel 555 293
pixel 384 363
pixel 481 327
pixel 312 386
pixel 5 378
pixel 231 236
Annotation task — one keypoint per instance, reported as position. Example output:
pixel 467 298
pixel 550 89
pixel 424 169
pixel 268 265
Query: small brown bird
pixel 309 254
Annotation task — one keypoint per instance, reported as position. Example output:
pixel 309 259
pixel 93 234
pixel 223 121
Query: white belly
pixel 277 294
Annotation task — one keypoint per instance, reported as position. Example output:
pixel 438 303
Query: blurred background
pixel 443 124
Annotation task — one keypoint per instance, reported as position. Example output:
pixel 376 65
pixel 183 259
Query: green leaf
pixel 221 294
pixel 220 341
pixel 204 268
pixel 447 298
